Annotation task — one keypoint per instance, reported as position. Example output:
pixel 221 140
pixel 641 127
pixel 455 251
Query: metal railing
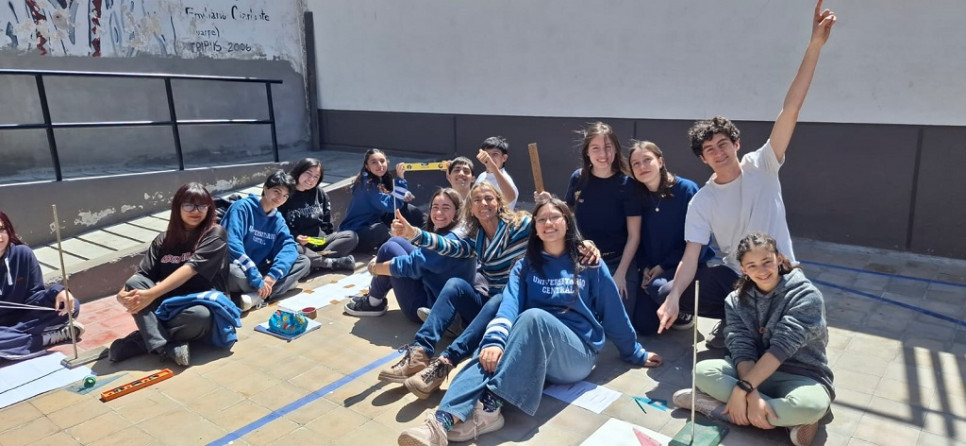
pixel 173 121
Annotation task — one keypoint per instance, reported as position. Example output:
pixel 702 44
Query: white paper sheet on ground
pixel 590 396
pixel 621 433
pixel 320 297
pixel 35 376
pixel 356 282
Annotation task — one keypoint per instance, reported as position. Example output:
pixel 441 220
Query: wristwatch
pixel 746 386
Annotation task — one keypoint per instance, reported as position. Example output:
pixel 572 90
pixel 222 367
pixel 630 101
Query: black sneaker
pixel 344 263
pixel 62 334
pixel 684 321
pixel 127 347
pixel 360 306
pixel 715 339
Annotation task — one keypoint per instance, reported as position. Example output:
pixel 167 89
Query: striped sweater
pixel 496 255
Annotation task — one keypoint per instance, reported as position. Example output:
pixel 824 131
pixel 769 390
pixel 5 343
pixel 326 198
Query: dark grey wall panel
pixel 409 132
pixel 844 183
pixel 940 196
pixel 850 183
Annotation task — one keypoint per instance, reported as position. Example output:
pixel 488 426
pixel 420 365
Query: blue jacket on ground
pixel 225 316
pixel 433 269
pixel 594 314
pixel 368 204
pixel 257 240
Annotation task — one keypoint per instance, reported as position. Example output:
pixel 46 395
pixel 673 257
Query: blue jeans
pixel 458 297
pixel 410 293
pixel 539 349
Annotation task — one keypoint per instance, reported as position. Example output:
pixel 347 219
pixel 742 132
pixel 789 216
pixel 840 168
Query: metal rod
pixel 271 118
pixel 63 274
pixel 51 139
pixel 175 133
pixel 694 360
pixel 75 125
pixel 141 75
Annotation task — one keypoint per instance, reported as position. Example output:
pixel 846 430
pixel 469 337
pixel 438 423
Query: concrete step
pixel 98 262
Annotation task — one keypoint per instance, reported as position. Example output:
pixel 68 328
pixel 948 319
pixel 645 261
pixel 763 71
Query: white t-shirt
pixel 750 203
pixel 490 178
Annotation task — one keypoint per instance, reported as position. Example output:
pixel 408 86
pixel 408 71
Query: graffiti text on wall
pixel 255 29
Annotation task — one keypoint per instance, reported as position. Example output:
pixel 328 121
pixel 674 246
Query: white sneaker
pixel 250 300
pixel 480 422
pixel 62 334
pixel 703 403
pixel 422 313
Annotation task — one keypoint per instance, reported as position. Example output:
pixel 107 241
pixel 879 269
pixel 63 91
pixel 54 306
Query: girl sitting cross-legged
pixel 552 322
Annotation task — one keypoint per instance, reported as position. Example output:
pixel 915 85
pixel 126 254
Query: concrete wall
pixel 873 162
pixel 251 38
pixel 85 204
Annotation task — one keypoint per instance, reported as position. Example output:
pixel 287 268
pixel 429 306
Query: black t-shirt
pixel 209 260
pixel 308 212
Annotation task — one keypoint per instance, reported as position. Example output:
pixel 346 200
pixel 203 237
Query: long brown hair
pixel 668 180
pixel 457 201
pixel 593 130
pixel 177 237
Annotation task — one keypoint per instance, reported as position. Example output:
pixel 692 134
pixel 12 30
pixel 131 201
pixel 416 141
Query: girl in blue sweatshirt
pixel 265 262
pixel 417 275
pixel 177 295
pixel 550 300
pixel 778 373
pixel 375 197
pixel 25 331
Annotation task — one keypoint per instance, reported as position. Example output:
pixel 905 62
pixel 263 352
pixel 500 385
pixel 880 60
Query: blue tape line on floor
pixel 893 302
pixel 876 273
pixel 290 407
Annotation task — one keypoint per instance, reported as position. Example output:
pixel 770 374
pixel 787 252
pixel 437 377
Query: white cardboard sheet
pixel 590 396
pixel 621 433
pixel 35 376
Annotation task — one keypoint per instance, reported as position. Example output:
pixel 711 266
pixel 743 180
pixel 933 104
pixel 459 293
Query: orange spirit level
pixel 136 385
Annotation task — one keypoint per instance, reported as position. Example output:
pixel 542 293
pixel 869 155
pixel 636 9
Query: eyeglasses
pixel 311 176
pixel 191 207
pixel 550 219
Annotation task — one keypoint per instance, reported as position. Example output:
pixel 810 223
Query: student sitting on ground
pixel 25 331
pixel 176 296
pixel 265 262
pixel 416 275
pixel 664 205
pixel 604 202
pixel 777 373
pixel 742 196
pixel 496 237
pixel 493 154
pixel 374 198
pixel 308 213
pixel 552 323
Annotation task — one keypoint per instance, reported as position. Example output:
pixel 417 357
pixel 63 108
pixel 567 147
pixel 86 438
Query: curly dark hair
pixel 703 131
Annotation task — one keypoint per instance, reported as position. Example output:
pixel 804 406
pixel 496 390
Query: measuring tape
pixel 136 385
pixel 440 165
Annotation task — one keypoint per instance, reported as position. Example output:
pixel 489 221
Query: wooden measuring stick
pixel 136 385
pixel 535 165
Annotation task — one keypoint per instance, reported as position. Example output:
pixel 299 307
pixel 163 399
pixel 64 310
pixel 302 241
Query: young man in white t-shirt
pixel 741 197
pixel 493 154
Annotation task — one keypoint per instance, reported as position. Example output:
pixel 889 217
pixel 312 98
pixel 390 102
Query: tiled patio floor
pixel 897 346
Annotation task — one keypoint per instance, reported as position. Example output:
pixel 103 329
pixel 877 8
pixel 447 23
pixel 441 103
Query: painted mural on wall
pixel 234 29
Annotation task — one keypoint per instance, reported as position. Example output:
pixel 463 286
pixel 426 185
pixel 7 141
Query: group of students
pixel 530 298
